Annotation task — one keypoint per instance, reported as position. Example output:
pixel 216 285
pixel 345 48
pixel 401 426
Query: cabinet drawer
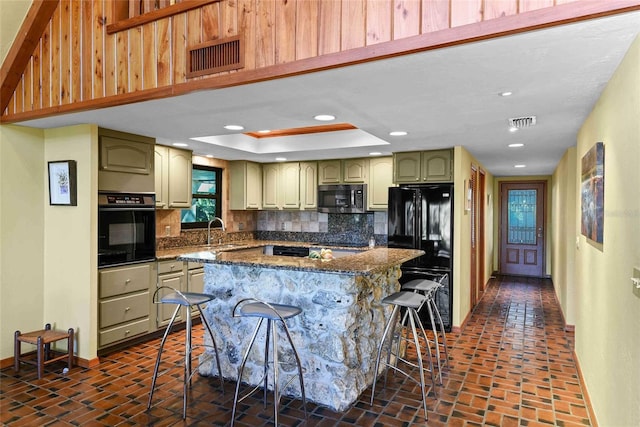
pixel 171 266
pixel 124 309
pixel 124 280
pixel 193 264
pixel 123 332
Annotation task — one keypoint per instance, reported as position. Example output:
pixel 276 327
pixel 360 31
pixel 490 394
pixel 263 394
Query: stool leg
pixel 380 346
pixel 435 338
pixel 187 364
pixel 428 346
pixel 16 351
pixel 265 366
pixel 295 353
pixel 204 320
pixel 241 370
pixel 442 332
pixel 155 369
pixel 70 347
pixel 419 352
pixel 276 396
pixel 40 357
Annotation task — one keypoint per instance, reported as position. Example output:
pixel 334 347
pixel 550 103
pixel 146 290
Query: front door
pixel 522 224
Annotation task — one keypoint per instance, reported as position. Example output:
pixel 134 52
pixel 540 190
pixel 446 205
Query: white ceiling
pixel 442 98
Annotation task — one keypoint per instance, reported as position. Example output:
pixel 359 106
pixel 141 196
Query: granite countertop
pixel 366 261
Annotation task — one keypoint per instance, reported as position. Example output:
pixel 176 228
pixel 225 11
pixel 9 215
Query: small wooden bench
pixel 42 339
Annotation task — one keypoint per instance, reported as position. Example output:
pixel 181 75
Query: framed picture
pixel 62 183
pixel 592 193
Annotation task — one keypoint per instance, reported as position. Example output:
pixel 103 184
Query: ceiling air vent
pixel 522 122
pixel 215 56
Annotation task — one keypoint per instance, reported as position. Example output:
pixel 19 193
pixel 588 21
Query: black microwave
pixel 342 198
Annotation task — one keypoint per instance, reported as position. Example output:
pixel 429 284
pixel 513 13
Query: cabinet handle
pixel 126 332
pixel 127 309
pixel 126 282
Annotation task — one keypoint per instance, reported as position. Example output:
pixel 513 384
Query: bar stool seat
pixel 411 302
pixel 272 313
pixel 187 300
pixel 429 289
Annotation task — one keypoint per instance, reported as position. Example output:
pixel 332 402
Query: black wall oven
pixel 126 228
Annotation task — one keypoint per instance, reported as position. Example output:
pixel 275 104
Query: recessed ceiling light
pixel 209 156
pixel 324 117
pixel 519 166
pixel 234 127
pixel 507 93
pixel 264 131
pixel 516 145
pixel 513 129
pixel 281 159
pixel 375 153
pixel 180 144
pixel 398 133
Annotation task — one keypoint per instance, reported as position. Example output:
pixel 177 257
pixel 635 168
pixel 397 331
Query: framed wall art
pixel 592 193
pixel 62 183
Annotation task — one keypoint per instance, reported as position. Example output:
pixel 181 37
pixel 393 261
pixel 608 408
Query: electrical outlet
pixel 167 230
pixel 241 226
pixel 635 280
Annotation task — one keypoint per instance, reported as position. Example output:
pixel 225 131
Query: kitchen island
pixel 337 333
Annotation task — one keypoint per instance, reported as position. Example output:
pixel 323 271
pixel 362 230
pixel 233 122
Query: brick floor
pixel 512 365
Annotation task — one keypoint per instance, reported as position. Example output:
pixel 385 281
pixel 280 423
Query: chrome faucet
pixel 215 218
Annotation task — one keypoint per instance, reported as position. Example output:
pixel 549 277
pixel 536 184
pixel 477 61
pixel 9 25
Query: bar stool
pixel 272 312
pixel 410 301
pixel 429 289
pixel 187 300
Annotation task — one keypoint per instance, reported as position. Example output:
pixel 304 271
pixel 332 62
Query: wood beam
pixel 26 40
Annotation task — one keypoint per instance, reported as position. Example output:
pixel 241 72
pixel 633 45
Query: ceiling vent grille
pixel 215 56
pixel 522 122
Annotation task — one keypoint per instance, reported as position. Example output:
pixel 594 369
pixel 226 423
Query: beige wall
pixel 607 306
pixel 563 235
pixel 12 13
pixel 462 234
pixel 22 174
pixel 70 240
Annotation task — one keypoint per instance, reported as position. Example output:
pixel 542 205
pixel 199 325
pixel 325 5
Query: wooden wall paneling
pixel 286 35
pixel 229 18
pixel 122 62
pixel 379 21
pixel 353 24
pixel 164 46
pixel 135 56
pixel 110 64
pixel 211 22
pixel 499 8
pixel 178 47
pixel 247 27
pixel 265 34
pixel 435 15
pixel 45 64
pixel 149 56
pixel 27 77
pixel 528 5
pixel 76 51
pixel 465 12
pixel 193 33
pixel 36 86
pixel 307 29
pixel 99 49
pixel 406 18
pixel 330 24
pixel 55 57
pixel 86 54
pixel 65 52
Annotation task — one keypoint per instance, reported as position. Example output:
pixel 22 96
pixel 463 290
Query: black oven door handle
pixel 125 209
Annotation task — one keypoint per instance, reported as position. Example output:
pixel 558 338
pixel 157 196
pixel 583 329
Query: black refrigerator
pixel 421 217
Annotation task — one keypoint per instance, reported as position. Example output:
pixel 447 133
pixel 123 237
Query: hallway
pixel 512 365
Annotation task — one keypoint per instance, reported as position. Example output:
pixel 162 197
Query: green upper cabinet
pixel 380 179
pixel 172 177
pixel 245 185
pixel 270 186
pixel 423 166
pixel 308 185
pixel 330 172
pixel 290 185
